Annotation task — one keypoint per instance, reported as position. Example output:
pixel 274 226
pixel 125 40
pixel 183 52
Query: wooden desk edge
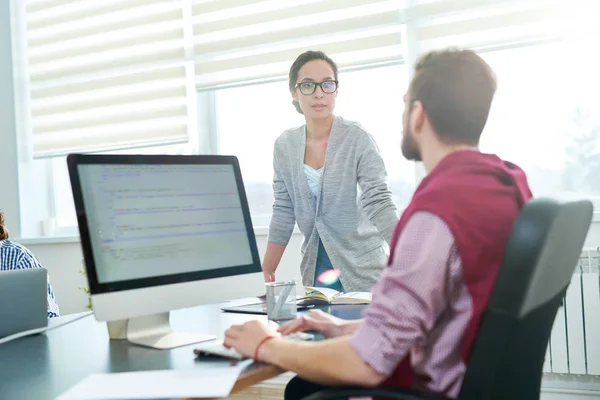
pixel 255 376
pixel 252 377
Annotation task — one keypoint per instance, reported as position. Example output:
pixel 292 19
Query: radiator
pixel 574 346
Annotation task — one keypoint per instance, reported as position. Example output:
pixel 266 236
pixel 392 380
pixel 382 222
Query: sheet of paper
pixel 200 382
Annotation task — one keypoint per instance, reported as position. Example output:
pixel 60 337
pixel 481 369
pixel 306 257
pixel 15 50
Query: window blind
pixel 239 41
pixel 485 24
pixel 105 74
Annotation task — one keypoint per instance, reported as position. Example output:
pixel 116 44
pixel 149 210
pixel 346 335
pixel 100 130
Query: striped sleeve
pixel 410 296
pixel 28 260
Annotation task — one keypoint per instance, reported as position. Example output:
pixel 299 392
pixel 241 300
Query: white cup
pixel 49 227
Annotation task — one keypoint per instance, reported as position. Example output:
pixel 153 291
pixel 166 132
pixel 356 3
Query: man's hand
pixel 326 324
pixel 246 338
pixel 328 362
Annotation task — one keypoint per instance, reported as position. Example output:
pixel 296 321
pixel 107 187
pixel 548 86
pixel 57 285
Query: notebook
pixel 332 296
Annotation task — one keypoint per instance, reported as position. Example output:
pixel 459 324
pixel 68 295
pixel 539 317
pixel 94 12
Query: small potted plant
pixel 86 290
pixel 116 329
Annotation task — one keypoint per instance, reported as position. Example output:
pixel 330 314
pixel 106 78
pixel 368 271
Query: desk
pixel 44 366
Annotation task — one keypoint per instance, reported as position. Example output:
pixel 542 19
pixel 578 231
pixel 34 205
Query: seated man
pixel 15 256
pixel 445 254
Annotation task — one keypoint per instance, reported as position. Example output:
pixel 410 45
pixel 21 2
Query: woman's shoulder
pixel 291 133
pixel 289 138
pixel 350 126
pixel 353 130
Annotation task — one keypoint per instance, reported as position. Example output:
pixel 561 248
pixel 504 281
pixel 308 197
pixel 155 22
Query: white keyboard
pixel 299 336
pixel 216 347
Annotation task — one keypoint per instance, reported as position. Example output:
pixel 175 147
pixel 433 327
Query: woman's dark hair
pixel 3 230
pixel 302 59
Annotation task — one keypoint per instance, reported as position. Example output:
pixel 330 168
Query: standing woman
pixel 318 169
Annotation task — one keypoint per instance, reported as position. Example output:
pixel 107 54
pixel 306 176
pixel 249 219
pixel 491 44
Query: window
pixel 94 76
pixel 263 112
pixel 241 41
pixel 104 74
pixel 545 117
pixel 140 64
pixel 249 119
pixel 378 108
pixel 113 75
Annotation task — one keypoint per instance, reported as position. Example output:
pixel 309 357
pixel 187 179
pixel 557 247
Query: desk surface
pixel 44 366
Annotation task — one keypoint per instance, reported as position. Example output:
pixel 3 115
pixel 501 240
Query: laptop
pixel 23 301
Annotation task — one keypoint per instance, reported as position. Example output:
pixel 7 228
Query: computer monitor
pixel 163 232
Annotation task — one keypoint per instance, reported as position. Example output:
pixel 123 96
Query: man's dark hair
pixel 456 88
pixel 302 59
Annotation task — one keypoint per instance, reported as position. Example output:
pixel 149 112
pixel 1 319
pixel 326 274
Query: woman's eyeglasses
pixel 310 87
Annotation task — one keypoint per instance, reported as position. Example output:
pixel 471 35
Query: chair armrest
pixel 385 392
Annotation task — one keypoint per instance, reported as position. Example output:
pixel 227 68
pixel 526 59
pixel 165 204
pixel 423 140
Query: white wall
pixel 9 189
pixel 64 260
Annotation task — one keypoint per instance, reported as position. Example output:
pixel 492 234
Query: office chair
pixel 508 354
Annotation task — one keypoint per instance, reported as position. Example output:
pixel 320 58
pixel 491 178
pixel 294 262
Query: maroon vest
pixel 479 196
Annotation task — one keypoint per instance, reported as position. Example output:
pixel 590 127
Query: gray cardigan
pixel 353 226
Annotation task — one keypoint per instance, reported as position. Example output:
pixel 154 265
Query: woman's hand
pixel 271 261
pixel 328 325
pixel 269 273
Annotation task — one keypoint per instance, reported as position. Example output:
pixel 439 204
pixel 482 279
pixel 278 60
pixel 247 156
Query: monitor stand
pixel 153 331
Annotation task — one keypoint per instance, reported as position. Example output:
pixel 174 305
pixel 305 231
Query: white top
pixel 313 177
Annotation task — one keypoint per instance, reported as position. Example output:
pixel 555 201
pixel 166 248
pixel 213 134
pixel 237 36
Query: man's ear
pixel 418 116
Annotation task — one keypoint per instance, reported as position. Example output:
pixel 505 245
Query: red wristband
pixel 260 344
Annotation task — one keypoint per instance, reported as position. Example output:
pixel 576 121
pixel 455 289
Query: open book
pixel 332 296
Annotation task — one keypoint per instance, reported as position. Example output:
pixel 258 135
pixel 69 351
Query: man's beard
pixel 409 147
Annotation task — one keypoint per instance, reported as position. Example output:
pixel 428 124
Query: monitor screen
pixel 147 221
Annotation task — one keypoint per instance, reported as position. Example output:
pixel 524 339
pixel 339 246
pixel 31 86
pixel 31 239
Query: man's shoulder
pixel 424 220
pixel 11 254
pixel 10 246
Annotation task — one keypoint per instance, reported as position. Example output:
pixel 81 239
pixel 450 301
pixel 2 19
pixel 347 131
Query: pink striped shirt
pixel 420 305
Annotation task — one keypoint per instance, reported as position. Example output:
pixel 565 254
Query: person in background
pixel 318 168
pixel 446 253
pixel 16 256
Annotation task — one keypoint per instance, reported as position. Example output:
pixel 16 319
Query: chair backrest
pixel 542 252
